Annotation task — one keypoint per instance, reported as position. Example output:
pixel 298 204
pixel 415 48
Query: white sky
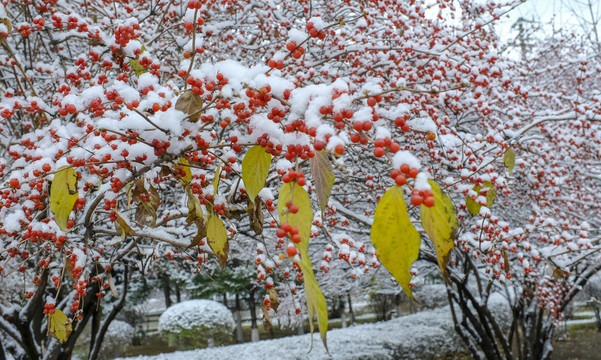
pixel 555 13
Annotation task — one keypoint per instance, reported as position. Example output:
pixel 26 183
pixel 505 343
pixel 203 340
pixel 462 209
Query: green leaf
pixel 472 206
pixel 491 193
pixel 59 326
pixel 216 180
pixel 217 238
pixel 316 302
pixel 394 237
pixel 185 165
pixel 63 195
pixel 323 177
pixel 303 219
pixel 509 160
pixel 440 223
pixel 255 169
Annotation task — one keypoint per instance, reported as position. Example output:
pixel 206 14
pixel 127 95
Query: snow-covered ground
pixel 425 335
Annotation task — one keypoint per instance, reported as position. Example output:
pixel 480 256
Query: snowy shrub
pixel 202 320
pixel 116 339
pixel 432 295
pixel 425 335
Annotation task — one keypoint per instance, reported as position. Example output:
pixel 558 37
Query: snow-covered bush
pixel 118 336
pixel 432 295
pixel 202 320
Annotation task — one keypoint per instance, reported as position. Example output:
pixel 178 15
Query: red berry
pixel 291 46
pixel 371 101
pixel 291 251
pixel 400 179
pixel 14 182
pixel 293 209
pixel 339 149
pixel 416 200
pixel 46 167
pixel 296 238
pixel 429 201
pixel 405 169
pixel 413 172
pixel 379 152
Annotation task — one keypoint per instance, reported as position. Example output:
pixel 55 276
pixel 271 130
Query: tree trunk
pixel 239 333
pixel 2 354
pixel 96 322
pixel 225 300
pixel 300 330
pixel 399 303
pixel 178 293
pixel 166 290
pixel 254 329
pixel 342 311
pixel 350 307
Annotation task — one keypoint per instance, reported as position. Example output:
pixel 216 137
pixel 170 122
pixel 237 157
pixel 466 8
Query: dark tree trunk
pixel 253 316
pixel 96 322
pixel 350 307
pixel 342 311
pixel 166 290
pixel 99 338
pixel 178 293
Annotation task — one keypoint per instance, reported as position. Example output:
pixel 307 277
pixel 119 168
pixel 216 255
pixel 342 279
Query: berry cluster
pixel 287 229
pixel 49 309
pixel 292 175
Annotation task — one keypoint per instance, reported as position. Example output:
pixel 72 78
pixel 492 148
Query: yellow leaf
pixel 323 177
pixel 472 206
pixel 217 237
pixel 440 223
pixel 316 302
pixel 194 208
pixel 303 219
pixel 59 326
pixel 216 179
pixel 394 237
pixel 122 226
pixel 491 193
pixel 509 160
pixel 63 195
pixel 136 66
pixel 185 165
pixel 255 169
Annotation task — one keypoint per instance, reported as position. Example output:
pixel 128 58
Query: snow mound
pixel 196 315
pixel 425 335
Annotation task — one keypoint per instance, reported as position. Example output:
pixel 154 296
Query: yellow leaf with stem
pixel 63 195
pixel 255 169
pixel 394 237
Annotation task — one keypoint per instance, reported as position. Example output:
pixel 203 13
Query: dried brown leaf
pixel 190 104
pixel 266 317
pixel 273 297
